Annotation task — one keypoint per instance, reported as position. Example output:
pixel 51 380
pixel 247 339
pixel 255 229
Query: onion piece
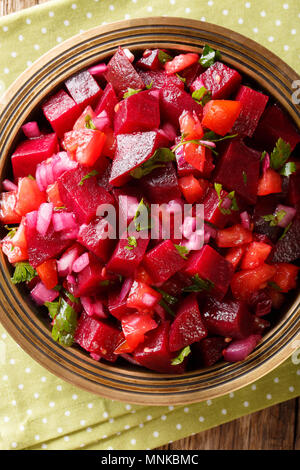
pixel 125 289
pixel 31 130
pixel 65 263
pixel 194 242
pixel 41 294
pixel 245 219
pixel 93 307
pixel 169 130
pixel 98 70
pixel 102 121
pixel 211 230
pixel 128 54
pixel 208 143
pixel 81 262
pixel 149 300
pixel 290 213
pixel 266 163
pixel 9 185
pixel 44 217
pixel 63 221
pixel 31 219
pixel 239 349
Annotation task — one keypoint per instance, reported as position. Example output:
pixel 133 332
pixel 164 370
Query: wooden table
pixel 277 427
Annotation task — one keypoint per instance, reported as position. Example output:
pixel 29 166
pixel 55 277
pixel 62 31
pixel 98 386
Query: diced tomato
pixel 142 297
pixel 81 121
pixel 29 197
pixel 235 254
pixel 15 248
pixel 235 235
pixel 220 115
pixel 247 281
pixel 134 327
pixel 8 214
pixel 190 125
pixel 195 155
pixel 85 146
pixel 193 189
pixel 269 183
pixel 53 195
pixel 255 255
pixel 286 276
pixel 47 272
pixel 109 147
pixel 180 62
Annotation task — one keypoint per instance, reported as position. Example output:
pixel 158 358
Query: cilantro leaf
pixel 234 207
pixel 24 272
pixel 183 79
pixel 199 285
pixel 89 123
pixel 87 176
pixel 181 356
pixel 160 156
pixel 201 96
pixel 130 92
pixel 142 215
pixel 52 308
pixel 163 57
pixel 182 250
pixel 209 56
pixel 285 231
pixel 132 243
pixel 280 154
pixel 245 178
pixel 274 219
pixel 11 231
pixel 288 168
pixel 64 324
pixel 170 299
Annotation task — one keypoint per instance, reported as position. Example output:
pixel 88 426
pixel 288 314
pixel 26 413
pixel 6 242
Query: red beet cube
pixel 230 318
pixel 31 152
pixel 62 112
pixel 253 105
pixel 96 237
pixel 161 185
pixel 149 60
pixel 107 102
pixel 97 337
pixel 220 79
pixel 190 73
pixel 273 124
pixel 92 279
pixel 83 200
pixel 294 189
pixel 173 101
pixel 188 326
pixel 122 75
pixel 116 305
pixel 132 151
pixel 210 266
pixel 163 261
pixel 84 89
pixel 137 113
pixel 207 352
pixel 126 258
pixel 212 212
pixel 287 249
pixel 159 79
pixel 154 352
pixel 266 205
pixel 238 170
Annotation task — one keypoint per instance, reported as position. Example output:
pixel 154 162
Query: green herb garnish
pixel 52 308
pixel 86 177
pixel 170 299
pixel 11 231
pixel 89 123
pixel 288 169
pixel 274 219
pixel 148 87
pixel 280 154
pixel 183 79
pixel 132 243
pixel 181 356
pixel 209 56
pixel 234 207
pixel 142 219
pixel 159 158
pixel 245 178
pixel 274 285
pixel 182 250
pixel 286 229
pixel 163 57
pixel 201 96
pixel 199 285
pixel 24 272
pixel 130 92
pixel 64 323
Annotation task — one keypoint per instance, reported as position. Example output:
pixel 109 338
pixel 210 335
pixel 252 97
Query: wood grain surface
pixel 277 427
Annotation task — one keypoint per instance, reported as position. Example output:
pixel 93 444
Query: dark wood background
pixel 277 427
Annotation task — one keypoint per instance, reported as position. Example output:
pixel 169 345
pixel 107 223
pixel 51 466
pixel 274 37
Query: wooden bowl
pixel 24 321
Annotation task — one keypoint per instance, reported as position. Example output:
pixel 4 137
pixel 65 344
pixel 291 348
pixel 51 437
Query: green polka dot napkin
pixel 39 410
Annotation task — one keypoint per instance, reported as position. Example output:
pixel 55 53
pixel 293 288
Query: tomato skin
pixel 247 281
pixel 286 276
pixel 269 183
pixel 29 197
pixel 8 202
pixel 190 125
pixel 139 295
pixel 192 189
pixel 195 155
pixel 134 327
pixel 220 115
pixel 15 248
pixel 84 145
pixel 81 121
pixel 47 272
pixel 53 195
pixel 255 255
pixel 235 254
pixel 180 62
pixel 235 235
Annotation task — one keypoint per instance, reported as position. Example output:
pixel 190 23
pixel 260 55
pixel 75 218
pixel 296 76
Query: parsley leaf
pixel 89 123
pixel 142 215
pixel 11 231
pixel 288 168
pixel 52 308
pixel 286 229
pixel 274 219
pixel 163 57
pixel 64 324
pixel 170 299
pixel 280 154
pixel 183 79
pixel 130 92
pixel 181 356
pixel 24 272
pixel 132 243
pixel 201 96
pixel 86 177
pixel 182 250
pixel 199 285
pixel 234 207
pixel 160 156
pixel 245 178
pixel 209 56
pixel 149 86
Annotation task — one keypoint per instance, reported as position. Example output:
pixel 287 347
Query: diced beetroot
pixel 183 167
pixel 149 60
pixel 132 151
pixel 266 205
pixel 116 305
pixel 273 124
pixel 190 73
pixel 238 170
pixel 95 237
pixel 287 248
pixel 43 247
pixel 220 79
pixel 208 351
pixel 128 199
pixel 212 212
pixel 107 102
pixel 122 75
pixel 161 185
pixel 294 189
pixel 159 79
pixel 30 153
pixel 84 89
pixel 126 258
pixel 61 111
pixel 83 200
pixel 92 279
pixel 210 266
pixel 230 318
pixel 173 101
pixel 163 261
pixel 137 113
pixel 97 337
pixel 154 352
pixel 187 327
pixel 260 302
pixel 260 325
pixel 253 105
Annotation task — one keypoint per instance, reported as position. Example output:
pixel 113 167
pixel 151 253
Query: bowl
pixel 23 320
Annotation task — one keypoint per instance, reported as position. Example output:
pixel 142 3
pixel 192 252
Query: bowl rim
pixel 28 341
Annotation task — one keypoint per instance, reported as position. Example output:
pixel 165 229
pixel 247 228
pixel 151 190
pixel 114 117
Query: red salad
pixel 117 151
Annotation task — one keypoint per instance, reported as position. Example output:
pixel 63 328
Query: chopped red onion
pixel 31 219
pixel 49 170
pixel 102 121
pixel 226 203
pixel 41 294
pixel 188 226
pixel 71 279
pixel 44 217
pixel 245 219
pixel 194 242
pixel 81 262
pixel 9 185
pixel 93 307
pixel 65 263
pixel 208 229
pixel 98 70
pixel 290 213
pixel 239 349
pixel 63 221
pixel 128 54
pixel 266 163
pixel 31 129
pixel 208 143
pixel 125 289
